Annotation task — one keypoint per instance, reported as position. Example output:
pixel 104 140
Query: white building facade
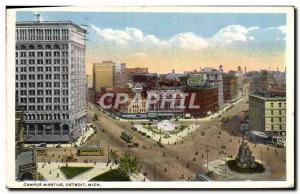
pixel 50 80
pixel 215 78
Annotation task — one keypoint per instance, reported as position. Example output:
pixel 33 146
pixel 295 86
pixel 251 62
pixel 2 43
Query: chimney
pixel 38 18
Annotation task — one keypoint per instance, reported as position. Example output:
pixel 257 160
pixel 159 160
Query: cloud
pixel 253 28
pixel 282 29
pixel 126 37
pixel 188 40
pixel 136 41
pixel 230 34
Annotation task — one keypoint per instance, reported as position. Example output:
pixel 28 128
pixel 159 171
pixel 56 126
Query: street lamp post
pixel 223 152
pixel 206 150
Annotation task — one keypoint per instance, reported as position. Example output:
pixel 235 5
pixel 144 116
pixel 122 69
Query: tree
pixel 114 156
pixel 95 117
pixel 128 166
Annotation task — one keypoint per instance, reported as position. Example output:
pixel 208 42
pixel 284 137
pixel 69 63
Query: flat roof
pixel 21 23
pixel 267 98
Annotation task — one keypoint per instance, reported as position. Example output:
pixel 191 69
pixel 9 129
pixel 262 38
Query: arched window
pixel 23 47
pixel 31 47
pixel 48 46
pixel 56 46
pixel 65 129
pixel 39 46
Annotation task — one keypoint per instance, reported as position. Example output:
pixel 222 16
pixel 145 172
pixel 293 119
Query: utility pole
pixel 129 151
pixel 154 173
pixel 107 154
pixel 223 152
pixel 206 150
pixel 261 158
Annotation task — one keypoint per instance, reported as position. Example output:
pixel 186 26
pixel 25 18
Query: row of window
pixel 41 47
pixel 41 77
pixel 42 34
pixel 46 116
pixel 41 69
pixel 41 92
pixel 47 107
pixel 41 61
pixel 42 100
pixel 42 54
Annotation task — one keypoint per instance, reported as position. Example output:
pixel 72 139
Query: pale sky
pixel 180 41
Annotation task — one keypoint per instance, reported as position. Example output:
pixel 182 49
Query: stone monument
pixel 245 158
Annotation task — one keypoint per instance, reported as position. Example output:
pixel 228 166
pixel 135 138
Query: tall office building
pixel 50 79
pixel 103 75
pixel 267 113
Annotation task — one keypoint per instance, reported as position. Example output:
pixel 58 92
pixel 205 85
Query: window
pixel 48 61
pixel 272 104
pixel 48 54
pixel 40 92
pixel 31 77
pixel 40 84
pixel 56 100
pixel 279 104
pixel 48 69
pixel 56 61
pixel 40 76
pixel 31 84
pixel 31 100
pixel 31 61
pixel 23 92
pixel 48 92
pixel 40 69
pixel 31 107
pixel 31 69
pixel 39 54
pixel 31 92
pixel 56 54
pixel 31 54
pixel 56 69
pixel 23 77
pixel 40 61
pixel 40 100
pixel 48 84
pixel 23 54
pixel 48 76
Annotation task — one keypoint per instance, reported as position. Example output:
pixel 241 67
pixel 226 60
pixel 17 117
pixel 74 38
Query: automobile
pixel 134 128
pixel 133 145
pixel 43 145
pixel 58 146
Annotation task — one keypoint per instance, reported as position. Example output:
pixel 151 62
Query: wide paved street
pixel 185 158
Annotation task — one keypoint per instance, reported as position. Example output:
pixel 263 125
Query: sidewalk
pixel 97 169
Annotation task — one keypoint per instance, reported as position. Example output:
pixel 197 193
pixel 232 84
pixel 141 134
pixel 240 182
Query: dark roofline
pixel 20 23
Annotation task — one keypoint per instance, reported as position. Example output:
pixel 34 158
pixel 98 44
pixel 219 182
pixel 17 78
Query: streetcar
pixel 126 137
pixel 89 151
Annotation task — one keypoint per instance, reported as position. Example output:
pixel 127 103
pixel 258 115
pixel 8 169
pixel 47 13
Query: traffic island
pixel 257 168
pixel 112 175
pixel 71 172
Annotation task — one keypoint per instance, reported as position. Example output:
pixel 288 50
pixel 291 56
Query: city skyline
pixel 253 40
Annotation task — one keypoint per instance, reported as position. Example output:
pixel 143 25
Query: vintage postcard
pixel 150 97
